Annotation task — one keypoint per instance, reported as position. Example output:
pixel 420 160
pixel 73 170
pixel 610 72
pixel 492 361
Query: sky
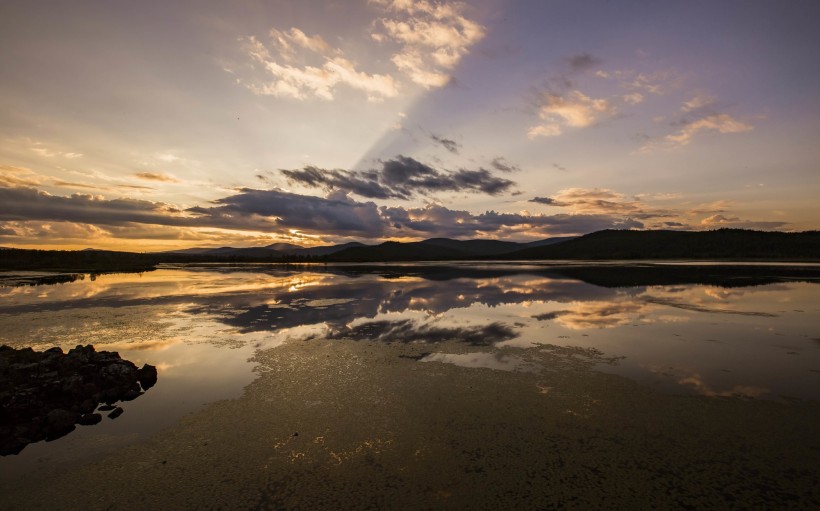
pixel 149 126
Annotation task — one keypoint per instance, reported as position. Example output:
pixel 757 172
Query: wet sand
pixel 348 424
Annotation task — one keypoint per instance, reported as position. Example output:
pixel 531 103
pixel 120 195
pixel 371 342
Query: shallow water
pixel 520 349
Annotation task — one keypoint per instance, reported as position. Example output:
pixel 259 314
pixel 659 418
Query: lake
pixel 430 386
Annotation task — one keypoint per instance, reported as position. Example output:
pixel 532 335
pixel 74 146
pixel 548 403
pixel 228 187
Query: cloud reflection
pixel 409 331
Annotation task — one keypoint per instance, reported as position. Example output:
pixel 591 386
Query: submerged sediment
pixel 348 424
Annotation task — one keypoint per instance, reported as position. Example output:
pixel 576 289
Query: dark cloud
pixel 450 145
pixel 549 201
pixel 547 316
pixel 278 211
pixel 434 220
pixel 257 209
pixel 361 183
pixel 399 178
pixel 719 221
pixel 156 176
pixel 32 204
pixel 503 165
pixel 135 187
pixel 582 62
pixel 559 167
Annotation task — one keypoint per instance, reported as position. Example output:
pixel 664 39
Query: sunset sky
pixel 160 125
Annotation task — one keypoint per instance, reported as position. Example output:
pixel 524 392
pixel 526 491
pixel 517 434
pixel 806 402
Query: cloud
pixel 549 201
pixel 435 220
pixel 157 176
pixel 582 62
pixel 31 204
pixel 720 221
pixel 7 230
pixel 279 213
pixel 721 123
pixel 612 204
pixel 658 83
pixel 21 177
pixel 135 187
pixel 49 231
pixel 503 165
pixel 46 152
pixel 633 98
pixel 399 178
pixel 288 42
pixel 279 210
pixel 433 37
pixel 11 176
pixel 697 102
pixel 303 81
pixel 450 145
pixel 80 186
pixel 572 109
pixel 608 202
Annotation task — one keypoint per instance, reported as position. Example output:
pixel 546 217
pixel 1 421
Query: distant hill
pixel 328 249
pixel 444 249
pixel 195 250
pixel 76 260
pixel 722 244
pixel 435 249
pixel 273 251
pixel 285 248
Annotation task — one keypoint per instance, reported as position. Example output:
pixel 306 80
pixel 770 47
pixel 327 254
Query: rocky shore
pixel 45 395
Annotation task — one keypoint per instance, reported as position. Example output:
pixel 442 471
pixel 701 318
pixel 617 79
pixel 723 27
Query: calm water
pixel 212 331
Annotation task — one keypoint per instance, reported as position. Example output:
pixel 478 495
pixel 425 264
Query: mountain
pixel 273 251
pixel 476 248
pixel 726 244
pixel 435 249
pixel 395 251
pixel 548 241
pixel 195 250
pixel 328 249
pixel 285 248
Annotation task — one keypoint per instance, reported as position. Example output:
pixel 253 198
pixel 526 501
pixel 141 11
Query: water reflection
pixel 409 331
pixel 521 334
pixel 704 332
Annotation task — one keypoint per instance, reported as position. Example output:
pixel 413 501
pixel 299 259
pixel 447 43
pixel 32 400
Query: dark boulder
pixel 147 376
pixel 89 419
pixel 43 395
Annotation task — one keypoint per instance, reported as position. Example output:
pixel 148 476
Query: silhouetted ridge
pixel 732 244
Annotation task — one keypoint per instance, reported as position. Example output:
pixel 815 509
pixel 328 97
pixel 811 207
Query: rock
pixel 43 395
pixel 89 419
pixel 147 376
pixel 131 395
pixel 61 419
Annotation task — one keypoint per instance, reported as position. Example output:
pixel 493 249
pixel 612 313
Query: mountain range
pixel 431 249
pixel 721 244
